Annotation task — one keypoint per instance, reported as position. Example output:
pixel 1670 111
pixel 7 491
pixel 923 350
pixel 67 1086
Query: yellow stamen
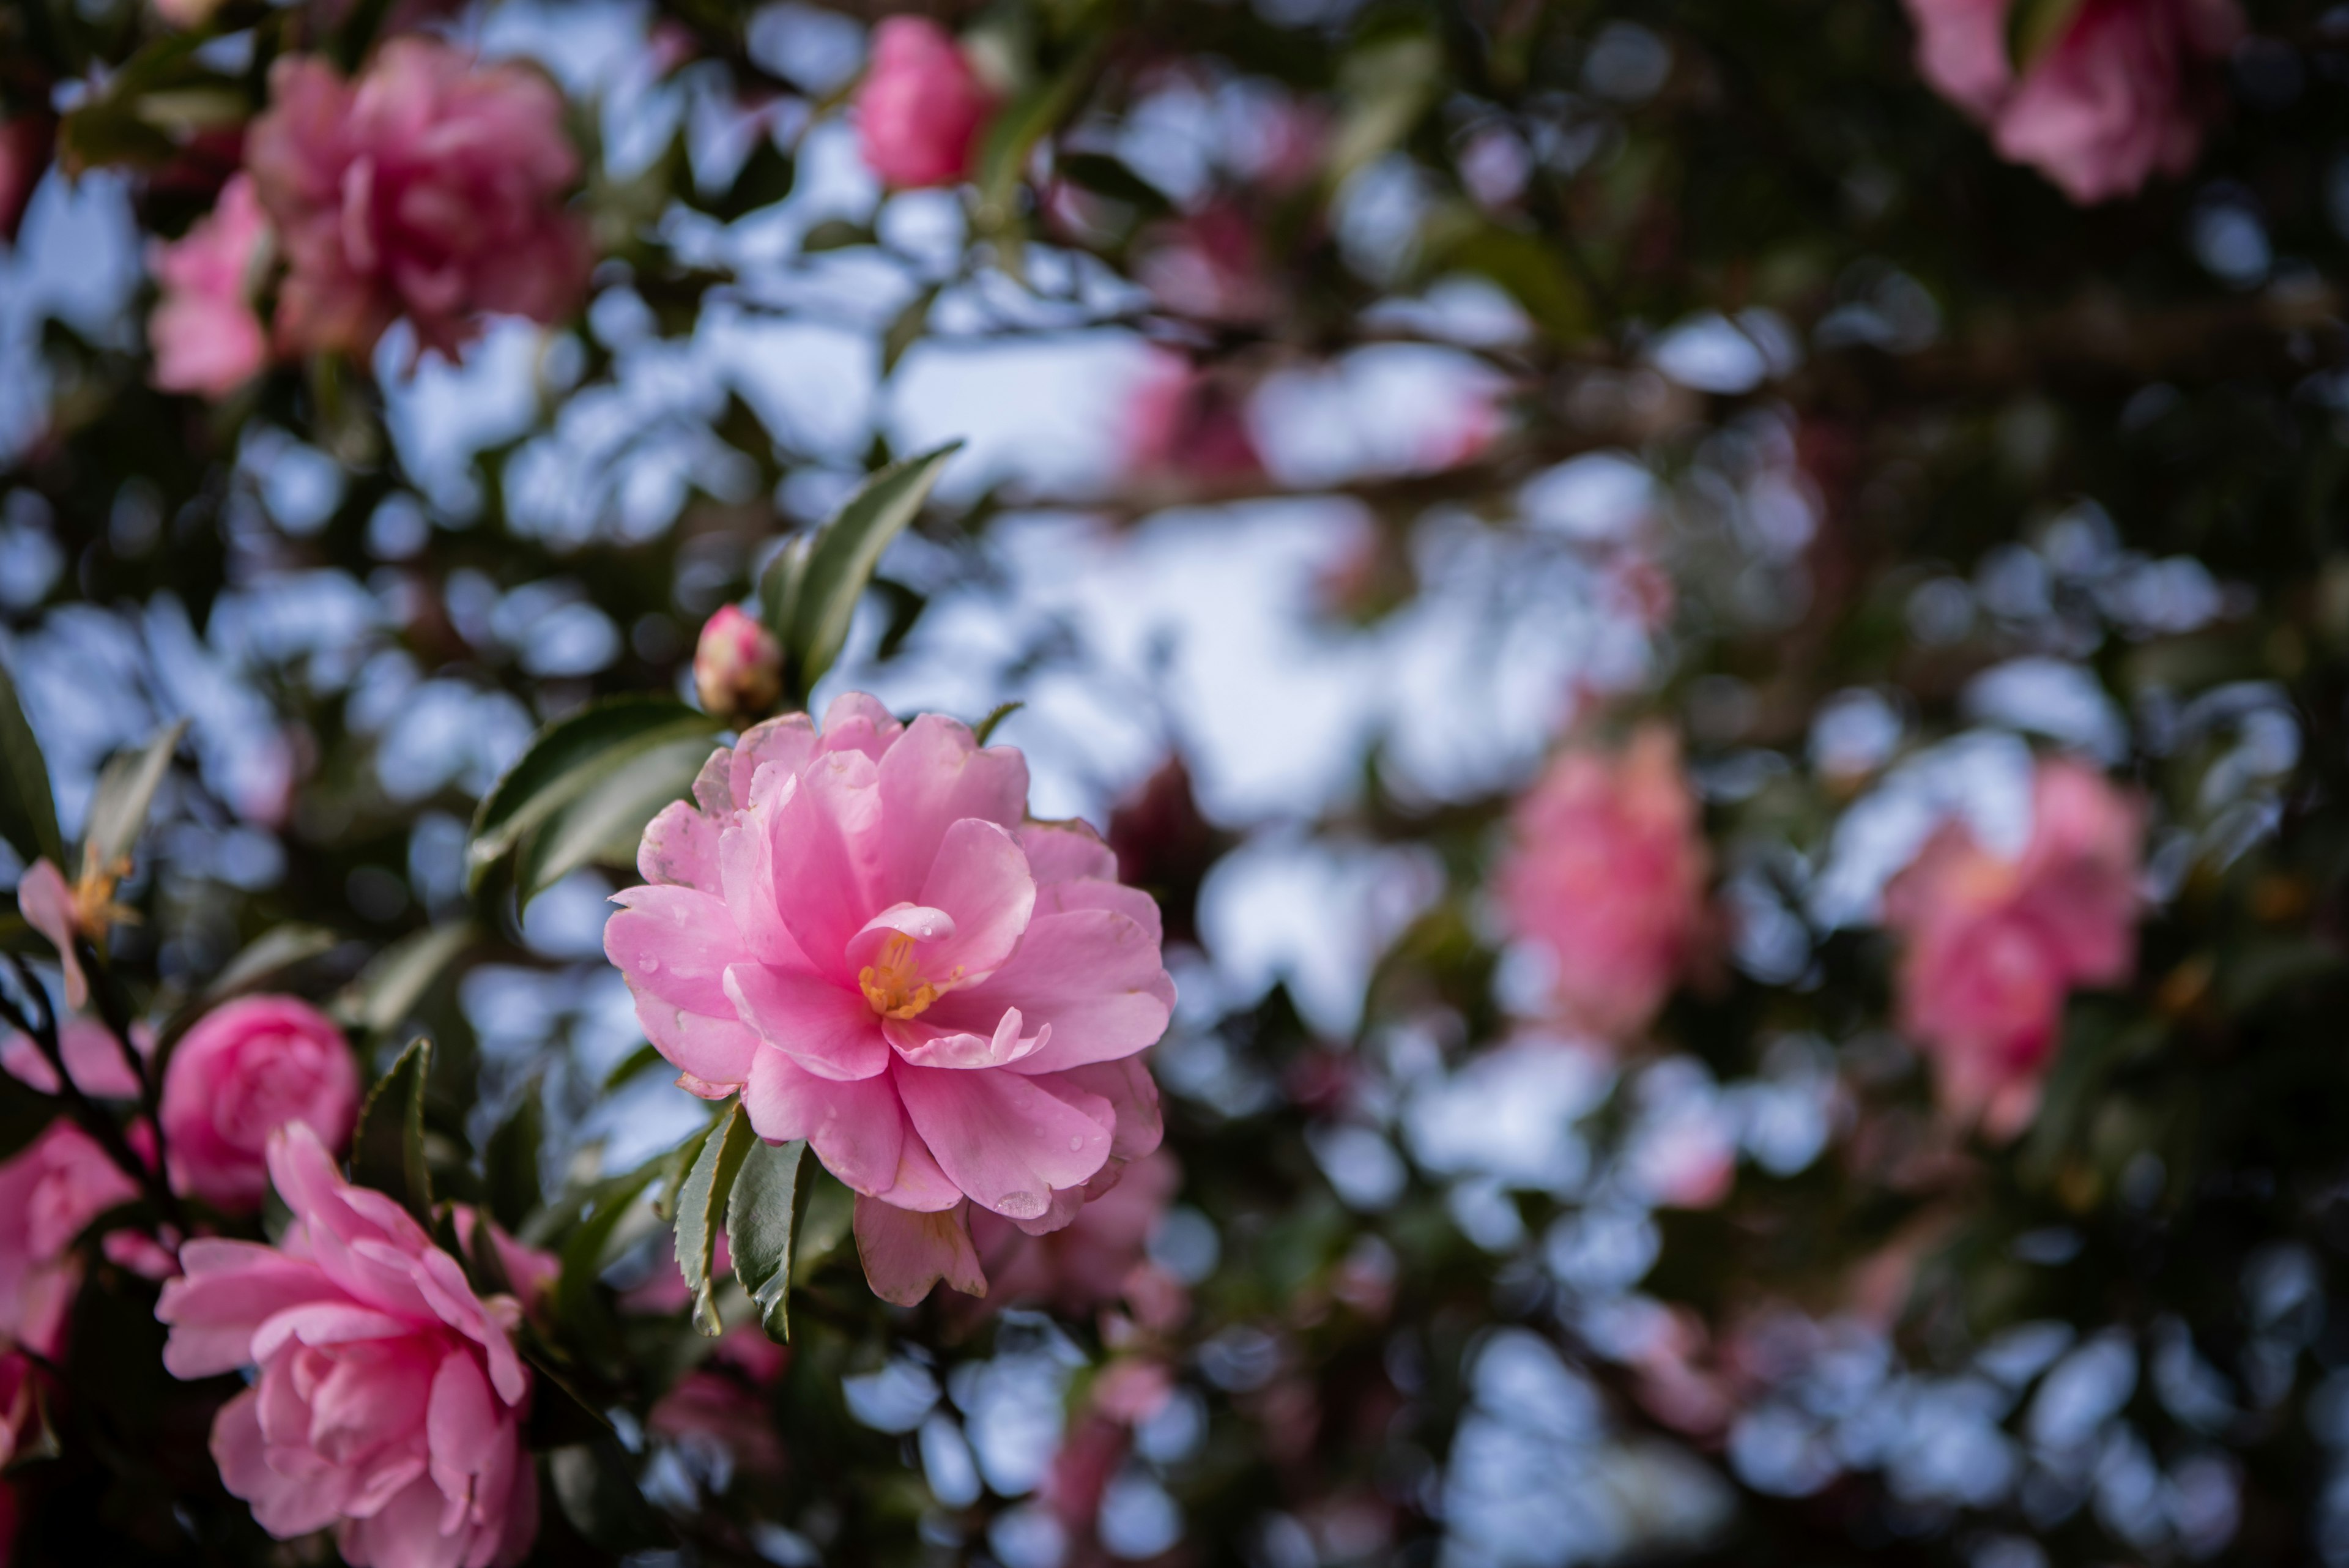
pixel 894 986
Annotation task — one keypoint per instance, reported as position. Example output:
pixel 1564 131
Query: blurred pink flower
pixel 2113 99
pixel 48 1195
pixel 738 666
pixel 1088 1263
pixel 744 1345
pixel 90 1055
pixel 432 188
pixel 1607 871
pixel 708 1408
pixel 1208 266
pixel 186 13
pixel 25 141
pixel 208 337
pixel 859 933
pixel 1184 419
pixel 389 1400
pixel 50 906
pixel 1993 946
pixel 921 107
pixel 246 1069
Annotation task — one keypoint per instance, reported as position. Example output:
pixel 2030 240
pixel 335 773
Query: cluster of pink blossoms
pixel 1606 873
pixel 2116 97
pixel 431 189
pixel 1993 945
pixel 859 931
pixel 389 1399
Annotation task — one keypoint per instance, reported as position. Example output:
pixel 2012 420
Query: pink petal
pixel 933 776
pixel 675 943
pixel 822 836
pixel 854 1127
pixel 229 1290
pixel 680 845
pixel 46 903
pixel 788 742
pixel 1003 1138
pixel 1132 1096
pixel 746 869
pixel 284 1507
pixel 856 722
pixel 928 1046
pixel 830 1032
pixel 904 1253
pixel 325 1322
pixel 460 1424
pixel 980 878
pixel 1066 852
pixel 1094 975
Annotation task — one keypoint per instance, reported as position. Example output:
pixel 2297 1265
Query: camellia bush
pixel 1505 784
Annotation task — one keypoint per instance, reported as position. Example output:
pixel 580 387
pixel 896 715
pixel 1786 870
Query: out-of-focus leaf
pixel 905 607
pixel 905 329
pixel 813 613
pixel 835 234
pixel 387 1149
pixel 644 1059
pixel 263 960
pixel 1385 86
pixel 148 107
pixel 126 793
pixel 764 179
pixel 1012 135
pixel 598 1490
pixel 28 812
pixel 1105 176
pixel 567 757
pixel 606 822
pixel 387 992
pixel 1524 264
pixel 701 1207
pixel 510 1161
pixel 579 1306
pixel 25 1114
pixel 762 1216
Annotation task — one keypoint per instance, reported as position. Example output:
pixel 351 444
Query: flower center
pixel 893 983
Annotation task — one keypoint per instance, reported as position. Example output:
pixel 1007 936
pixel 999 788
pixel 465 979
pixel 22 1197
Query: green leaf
pixel 564 759
pixel 762 1215
pixel 1013 133
pixel 834 234
pixel 644 1059
pixel 126 793
pixel 28 812
pixel 606 822
pixel 986 727
pixel 578 1306
pixel 388 992
pixel 905 329
pixel 1524 264
pixel 263 960
pixel 764 179
pixel 598 1493
pixel 387 1149
pixel 510 1161
pixel 1105 176
pixel 700 1203
pixel 816 601
pixel 1385 86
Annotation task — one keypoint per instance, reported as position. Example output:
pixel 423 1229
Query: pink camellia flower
pixel 1606 872
pixel 859 932
pixel 48 1195
pixel 738 666
pixel 1995 945
pixel 389 1400
pixel 1088 1263
pixel 1184 419
pixel 246 1069
pixel 2116 97
pixel 208 337
pixel 431 189
pixel 921 107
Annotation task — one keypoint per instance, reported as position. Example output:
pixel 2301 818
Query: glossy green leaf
pixel 387 1149
pixel 28 812
pixel 762 1216
pixel 606 822
pixel 510 1161
pixel 701 1206
pixel 388 992
pixel 579 1304
pixel 126 793
pixel 814 612
pixel 565 759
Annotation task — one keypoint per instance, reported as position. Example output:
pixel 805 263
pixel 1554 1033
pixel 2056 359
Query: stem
pixel 93 1117
pixel 107 1000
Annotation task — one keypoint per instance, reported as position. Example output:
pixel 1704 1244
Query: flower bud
pixel 921 107
pixel 738 667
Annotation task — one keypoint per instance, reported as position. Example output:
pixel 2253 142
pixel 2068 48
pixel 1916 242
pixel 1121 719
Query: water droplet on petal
pixel 652 965
pixel 1075 1144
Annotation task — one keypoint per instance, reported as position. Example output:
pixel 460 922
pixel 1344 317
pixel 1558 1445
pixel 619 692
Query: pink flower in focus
pixel 246 1069
pixel 1183 420
pixel 2115 99
pixel 921 107
pixel 25 141
pixel 1607 871
pixel 738 666
pixel 859 933
pixel 48 1195
pixel 389 1400
pixel 1087 1263
pixel 208 337
pixel 1993 946
pixel 431 188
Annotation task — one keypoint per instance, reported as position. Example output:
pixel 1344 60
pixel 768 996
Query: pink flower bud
pixel 738 667
pixel 246 1069
pixel 921 107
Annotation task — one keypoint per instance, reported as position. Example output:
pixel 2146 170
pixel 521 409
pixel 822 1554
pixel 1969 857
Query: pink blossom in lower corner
pixel 859 931
pixel 1992 946
pixel 207 334
pixel 1606 873
pixel 49 1193
pixel 2120 94
pixel 390 1398
pixel 432 188
pixel 921 107
pixel 246 1069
